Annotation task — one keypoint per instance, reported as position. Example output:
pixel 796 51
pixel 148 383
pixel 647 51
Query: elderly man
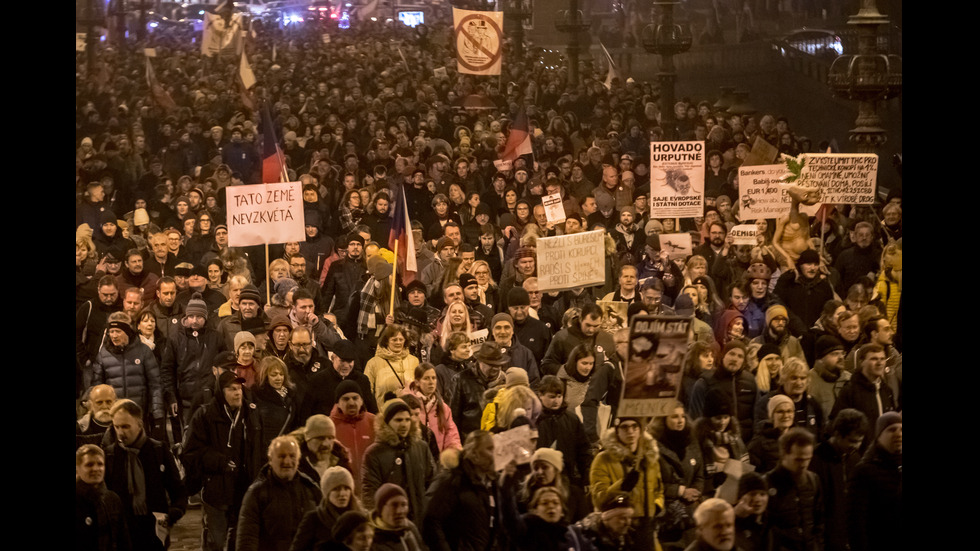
pixel 91 427
pixel 502 332
pixel 715 520
pixel 144 474
pixel 276 502
pixel 134 275
pixel 249 317
pixel 525 266
pixel 323 384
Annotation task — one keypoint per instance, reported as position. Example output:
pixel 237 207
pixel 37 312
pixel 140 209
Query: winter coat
pixel 861 394
pixel 100 524
pixel 405 462
pixel 576 386
pixel 764 448
pixel 187 360
pixel 390 371
pixel 708 440
pixel 272 510
pixel 530 532
pixel 795 511
pixel 211 442
pixel 314 532
pixel 567 339
pixel 400 539
pixel 445 438
pixel 344 277
pixel 463 512
pixel 808 414
pixel 740 385
pixel 562 430
pixel 610 467
pixel 165 491
pixel 804 299
pixel 601 538
pixel 534 335
pixel 677 471
pixel 468 399
pixel 835 473
pixel 875 502
pixel 276 414
pixel 825 386
pixel 133 372
pixel 356 434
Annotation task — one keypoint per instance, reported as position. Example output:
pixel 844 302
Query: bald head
pixel 100 401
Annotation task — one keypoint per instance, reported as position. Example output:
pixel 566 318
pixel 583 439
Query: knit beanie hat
pixel 346 387
pixel 809 256
pixel 196 307
pixel 827 344
pixel 518 296
pixel 516 376
pixel 121 321
pixel 718 402
pixel 386 492
pixel 501 317
pixel 885 421
pixel 751 482
pixel 394 407
pixel 334 477
pixel 774 311
pixel 243 337
pixel 551 456
pixel 777 401
pixel 347 524
pixel 250 292
pixel 318 426
pixel 767 349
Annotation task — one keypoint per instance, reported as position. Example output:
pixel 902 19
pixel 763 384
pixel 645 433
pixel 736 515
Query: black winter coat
pixel 859 393
pixel 741 386
pixel 100 524
pixel 462 512
pixel 795 511
pixel 875 502
pixel 186 363
pixel 835 473
pixel 276 414
pixel 272 510
pixel 561 429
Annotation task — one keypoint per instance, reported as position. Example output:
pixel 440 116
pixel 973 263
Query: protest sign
pixel 512 445
pixel 843 178
pixel 554 210
pixel 676 179
pixel 440 72
pixel 150 52
pixel 677 245
pixel 654 368
pixel 744 234
pixel 477 338
pixel 569 261
pixel 761 192
pixel 614 315
pixel 265 213
pixel 479 37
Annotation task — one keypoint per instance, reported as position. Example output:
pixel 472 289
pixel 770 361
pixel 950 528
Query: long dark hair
pixel 440 411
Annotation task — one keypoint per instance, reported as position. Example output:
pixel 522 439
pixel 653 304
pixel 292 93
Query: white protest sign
pixel 569 261
pixel 744 234
pixel 79 42
pixel 512 445
pixel 325 38
pixel 265 213
pixel 677 245
pixel 676 179
pixel 554 210
pixel 652 378
pixel 761 193
pixel 477 338
pixel 150 52
pixel 843 178
pixel 440 72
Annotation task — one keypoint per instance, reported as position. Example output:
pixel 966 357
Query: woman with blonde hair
pixel 488 289
pixel 276 400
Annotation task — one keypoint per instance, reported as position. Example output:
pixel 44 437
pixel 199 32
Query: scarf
pixel 135 478
pixel 677 441
pixel 148 341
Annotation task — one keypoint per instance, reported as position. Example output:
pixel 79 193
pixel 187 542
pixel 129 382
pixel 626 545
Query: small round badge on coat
pixel 813 421
pixel 162 468
pixel 772 491
pixel 598 348
pixel 694 461
pixel 88 521
pixel 173 321
pixel 136 361
pixel 252 405
pixel 194 334
pixel 316 367
pixel 398 461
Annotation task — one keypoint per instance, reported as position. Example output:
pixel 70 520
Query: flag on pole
pixel 401 232
pixel 245 72
pixel 221 35
pixel 407 66
pixel 613 70
pixel 160 95
pixel 273 52
pixel 518 142
pixel 273 167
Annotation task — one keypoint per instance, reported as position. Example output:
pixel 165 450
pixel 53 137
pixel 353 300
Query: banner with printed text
pixel 676 179
pixel 265 213
pixel 760 193
pixel 654 368
pixel 843 178
pixel 569 261
pixel 479 39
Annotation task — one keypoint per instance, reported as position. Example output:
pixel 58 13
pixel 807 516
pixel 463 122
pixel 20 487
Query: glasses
pixel 630 427
pixel 301 344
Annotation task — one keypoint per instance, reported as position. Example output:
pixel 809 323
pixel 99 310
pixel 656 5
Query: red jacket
pixel 356 433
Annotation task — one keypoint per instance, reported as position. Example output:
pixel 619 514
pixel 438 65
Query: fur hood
pixel 384 433
pixel 648 446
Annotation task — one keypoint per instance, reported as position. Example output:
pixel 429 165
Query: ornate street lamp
pixel 667 39
pixel 572 22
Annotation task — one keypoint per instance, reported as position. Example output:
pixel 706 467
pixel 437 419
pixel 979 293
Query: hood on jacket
pixel 648 446
pixel 384 433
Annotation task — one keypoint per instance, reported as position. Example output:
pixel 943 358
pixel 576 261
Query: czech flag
pixel 401 232
pixel 273 167
pixel 518 142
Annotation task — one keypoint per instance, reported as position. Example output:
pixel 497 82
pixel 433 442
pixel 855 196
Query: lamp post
pixel 90 13
pixel 572 22
pixel 515 13
pixel 867 77
pixel 667 39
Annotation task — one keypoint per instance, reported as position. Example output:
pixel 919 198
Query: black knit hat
pixel 347 524
pixel 518 296
pixel 751 482
pixel 718 402
pixel 346 387
pixel 827 344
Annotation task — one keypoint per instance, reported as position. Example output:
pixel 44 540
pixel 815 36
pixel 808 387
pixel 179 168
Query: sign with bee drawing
pixel 676 179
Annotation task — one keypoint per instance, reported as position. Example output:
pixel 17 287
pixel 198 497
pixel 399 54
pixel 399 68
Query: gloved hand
pixel 630 480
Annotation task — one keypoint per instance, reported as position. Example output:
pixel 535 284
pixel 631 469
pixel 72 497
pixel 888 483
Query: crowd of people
pixel 306 399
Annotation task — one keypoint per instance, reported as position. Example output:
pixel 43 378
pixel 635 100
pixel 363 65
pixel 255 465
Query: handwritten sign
pixel 265 213
pixel 761 194
pixel 676 179
pixel 477 338
pixel 744 234
pixel 655 365
pixel 843 178
pixel 512 445
pixel 569 261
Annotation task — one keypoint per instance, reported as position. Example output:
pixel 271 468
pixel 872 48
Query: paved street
pixel 186 536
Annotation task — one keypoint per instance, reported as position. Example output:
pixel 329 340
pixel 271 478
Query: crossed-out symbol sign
pixel 492 56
